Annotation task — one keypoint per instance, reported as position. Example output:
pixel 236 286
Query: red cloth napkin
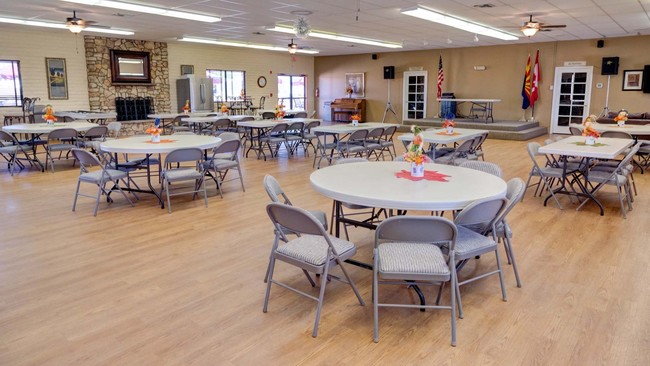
pixel 444 133
pixel 162 141
pixel 428 175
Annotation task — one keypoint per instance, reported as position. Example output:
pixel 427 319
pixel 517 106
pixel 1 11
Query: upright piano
pixel 343 108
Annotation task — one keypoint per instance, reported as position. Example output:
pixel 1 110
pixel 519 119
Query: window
pixel 11 90
pixel 227 84
pixel 292 91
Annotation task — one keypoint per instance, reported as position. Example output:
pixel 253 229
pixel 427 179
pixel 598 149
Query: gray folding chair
pixel 99 177
pixel 9 149
pixel 308 137
pixel 314 251
pixel 618 177
pixel 293 136
pixel 93 137
pixel 483 166
pixel 355 145
pixel 407 252
pixel 546 174
pixel 373 142
pixel 224 158
pixel 62 139
pixel 516 189
pixel 474 222
pixel 575 131
pixel 458 155
pixel 371 212
pixel 171 174
pixel 268 115
pixel 275 137
pixel 300 115
pixel 387 144
pixel 277 194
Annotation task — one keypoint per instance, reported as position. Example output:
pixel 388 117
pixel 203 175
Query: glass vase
pixel 417 170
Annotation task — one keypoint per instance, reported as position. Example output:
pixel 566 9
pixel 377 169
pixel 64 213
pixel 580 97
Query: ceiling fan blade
pixel 552 26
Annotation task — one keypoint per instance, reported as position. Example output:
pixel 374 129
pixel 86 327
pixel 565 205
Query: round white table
pixel 143 145
pixel 37 129
pixel 41 128
pixel 374 184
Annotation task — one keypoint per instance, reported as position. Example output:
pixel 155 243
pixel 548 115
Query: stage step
pixel 502 130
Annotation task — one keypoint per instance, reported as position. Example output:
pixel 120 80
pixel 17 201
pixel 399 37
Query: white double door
pixel 571 97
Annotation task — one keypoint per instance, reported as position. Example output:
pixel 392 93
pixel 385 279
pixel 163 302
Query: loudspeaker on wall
pixel 389 72
pixel 374 56
pixel 600 43
pixel 610 66
pixel 646 79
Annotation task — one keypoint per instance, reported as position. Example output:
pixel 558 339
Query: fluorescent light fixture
pixel 148 10
pixel 434 16
pixel 63 26
pixel 244 45
pixel 336 37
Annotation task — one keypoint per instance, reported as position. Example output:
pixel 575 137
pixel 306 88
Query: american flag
pixel 441 77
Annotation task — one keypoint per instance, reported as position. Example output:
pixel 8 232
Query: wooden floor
pixel 138 286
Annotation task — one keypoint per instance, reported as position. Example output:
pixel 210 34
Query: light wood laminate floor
pixel 137 286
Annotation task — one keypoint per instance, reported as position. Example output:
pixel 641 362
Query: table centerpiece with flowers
pixel 48 115
pixel 621 118
pixel 589 132
pixel 415 153
pixel 186 108
pixel 155 131
pixel 449 124
pixel 224 108
pixel 279 111
pixel 355 118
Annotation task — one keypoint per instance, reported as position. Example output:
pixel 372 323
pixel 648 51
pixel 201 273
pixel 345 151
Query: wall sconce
pixel 480 68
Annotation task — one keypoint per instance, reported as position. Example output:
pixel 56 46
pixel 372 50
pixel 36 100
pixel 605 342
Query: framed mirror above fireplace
pixel 130 67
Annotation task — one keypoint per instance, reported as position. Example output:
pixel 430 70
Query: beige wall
pixel 255 62
pixel 502 79
pixel 31 47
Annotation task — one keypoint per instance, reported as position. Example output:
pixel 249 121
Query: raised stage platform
pixel 502 130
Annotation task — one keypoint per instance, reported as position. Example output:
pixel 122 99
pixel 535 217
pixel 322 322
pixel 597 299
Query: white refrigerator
pixel 197 90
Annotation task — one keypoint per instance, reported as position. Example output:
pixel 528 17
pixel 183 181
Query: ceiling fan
pixel 531 27
pixel 75 24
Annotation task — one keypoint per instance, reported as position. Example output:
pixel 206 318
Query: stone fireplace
pixel 102 94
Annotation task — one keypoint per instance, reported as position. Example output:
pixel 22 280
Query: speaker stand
pixel 389 107
pixel 606 109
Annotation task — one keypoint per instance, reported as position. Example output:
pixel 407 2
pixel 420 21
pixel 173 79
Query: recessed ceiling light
pixel 484 5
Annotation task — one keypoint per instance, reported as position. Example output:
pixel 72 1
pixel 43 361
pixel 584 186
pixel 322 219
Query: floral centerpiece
pixel 349 91
pixel 449 123
pixel 279 111
pixel 242 93
pixel 155 131
pixel 589 132
pixel 355 118
pixel 49 115
pixel 224 108
pixel 415 153
pixel 186 108
pixel 621 118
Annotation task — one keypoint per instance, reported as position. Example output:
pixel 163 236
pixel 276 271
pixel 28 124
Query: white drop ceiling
pixel 377 19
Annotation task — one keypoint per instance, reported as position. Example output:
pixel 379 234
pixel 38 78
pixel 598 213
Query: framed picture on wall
pixel 355 81
pixel 632 79
pixel 57 78
pixel 187 69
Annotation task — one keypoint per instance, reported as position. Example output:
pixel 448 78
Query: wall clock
pixel 261 81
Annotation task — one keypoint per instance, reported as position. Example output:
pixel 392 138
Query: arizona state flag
pixel 537 76
pixel 525 89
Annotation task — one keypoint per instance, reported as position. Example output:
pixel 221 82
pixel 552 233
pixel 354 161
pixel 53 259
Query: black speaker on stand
pixel 610 66
pixel 389 72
